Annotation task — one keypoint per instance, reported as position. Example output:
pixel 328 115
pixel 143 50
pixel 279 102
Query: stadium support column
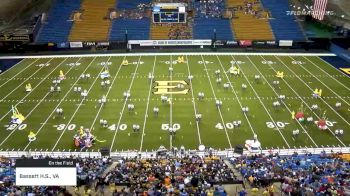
pixel 214 40
pixel 127 40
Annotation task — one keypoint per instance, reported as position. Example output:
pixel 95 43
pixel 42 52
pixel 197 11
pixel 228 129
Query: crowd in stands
pixel 174 176
pixel 299 174
pixel 209 8
pixel 179 31
pixel 88 170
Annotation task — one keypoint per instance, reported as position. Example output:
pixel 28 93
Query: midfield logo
pixel 174 87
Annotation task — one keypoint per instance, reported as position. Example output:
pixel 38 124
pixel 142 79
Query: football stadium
pixel 174 97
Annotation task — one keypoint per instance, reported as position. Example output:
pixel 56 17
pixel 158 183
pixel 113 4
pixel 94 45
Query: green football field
pixel 273 125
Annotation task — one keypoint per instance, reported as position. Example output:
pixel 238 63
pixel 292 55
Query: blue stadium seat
pixel 137 29
pixel 284 26
pixel 203 28
pixel 127 4
pixel 58 28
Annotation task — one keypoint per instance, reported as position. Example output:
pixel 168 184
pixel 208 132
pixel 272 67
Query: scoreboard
pixel 169 13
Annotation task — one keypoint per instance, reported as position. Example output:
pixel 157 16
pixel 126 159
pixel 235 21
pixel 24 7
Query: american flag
pixel 319 9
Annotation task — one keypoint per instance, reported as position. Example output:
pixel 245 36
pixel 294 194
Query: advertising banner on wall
pixel 286 43
pixel 63 45
pixel 171 42
pixel 245 42
pixel 76 44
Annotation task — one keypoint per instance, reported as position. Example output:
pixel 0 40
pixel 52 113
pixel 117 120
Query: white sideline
pixel 328 73
pixel 278 94
pixel 152 154
pixel 20 85
pixel 324 83
pixel 212 89
pixel 167 54
pixel 148 98
pixel 18 72
pixel 305 101
pixel 334 67
pixel 313 90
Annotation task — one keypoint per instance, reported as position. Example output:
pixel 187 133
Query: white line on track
pixel 32 89
pixel 63 98
pixel 328 73
pixel 148 99
pixel 77 109
pixel 18 72
pixel 313 90
pixel 194 103
pixel 282 101
pixel 20 85
pixel 307 104
pixel 324 84
pixel 126 100
pixel 234 92
pixel 262 103
pixel 109 90
pixel 31 111
pixel 219 110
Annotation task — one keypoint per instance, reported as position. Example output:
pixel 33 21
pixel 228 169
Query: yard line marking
pixel 234 92
pixel 53 111
pixel 126 100
pixel 327 73
pixel 282 101
pixel 261 102
pixel 194 103
pixel 9 79
pixel 343 74
pixel 313 90
pixel 109 90
pixel 77 109
pixel 304 101
pixel 324 83
pixel 32 89
pixel 212 89
pixel 148 98
pixel 20 85
pixel 32 110
pixel 171 105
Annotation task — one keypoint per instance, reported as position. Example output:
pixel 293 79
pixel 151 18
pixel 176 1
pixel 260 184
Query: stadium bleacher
pixel 95 24
pixel 250 26
pixel 203 28
pixel 283 26
pixel 57 27
pixel 127 4
pixel 137 29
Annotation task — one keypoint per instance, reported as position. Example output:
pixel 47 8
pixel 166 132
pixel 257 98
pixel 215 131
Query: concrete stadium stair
pixel 93 26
